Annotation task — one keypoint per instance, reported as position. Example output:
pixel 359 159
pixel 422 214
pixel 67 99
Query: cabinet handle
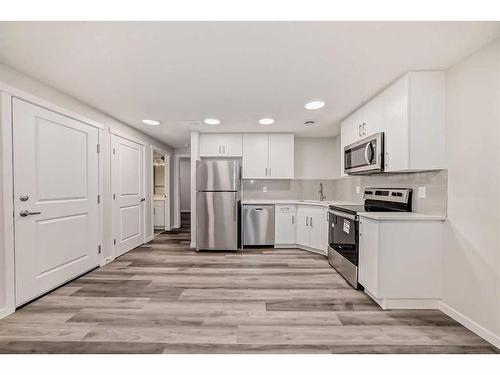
pixel 219 149
pixel 270 174
pixel 359 130
pixel 293 220
pixel 311 221
pixel 266 171
pixel 224 149
pixel 364 128
pixel 307 221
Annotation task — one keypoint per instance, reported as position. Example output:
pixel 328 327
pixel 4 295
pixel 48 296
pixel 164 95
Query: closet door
pixel 127 186
pixel 56 170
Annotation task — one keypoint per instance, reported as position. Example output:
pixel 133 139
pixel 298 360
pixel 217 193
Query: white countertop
pixel 294 201
pixel 401 216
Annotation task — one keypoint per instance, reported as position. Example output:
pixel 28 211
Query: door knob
pixel 24 198
pixel 143 199
pixel 27 213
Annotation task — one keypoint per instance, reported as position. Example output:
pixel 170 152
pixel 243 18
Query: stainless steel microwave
pixel 365 156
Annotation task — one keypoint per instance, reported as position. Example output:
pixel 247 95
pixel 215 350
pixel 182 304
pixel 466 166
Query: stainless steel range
pixel 343 224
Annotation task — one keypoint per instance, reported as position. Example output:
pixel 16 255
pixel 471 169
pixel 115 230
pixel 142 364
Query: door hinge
pixel 98 148
pixel 99 249
pixel 114 242
pixel 98 198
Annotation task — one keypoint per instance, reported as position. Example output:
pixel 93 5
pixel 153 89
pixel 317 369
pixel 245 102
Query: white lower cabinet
pixel 400 262
pixel 312 228
pixel 284 222
pixel 159 214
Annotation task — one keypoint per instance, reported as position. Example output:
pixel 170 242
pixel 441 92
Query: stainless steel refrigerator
pixel 217 205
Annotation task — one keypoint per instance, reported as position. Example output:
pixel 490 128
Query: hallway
pixel 163 297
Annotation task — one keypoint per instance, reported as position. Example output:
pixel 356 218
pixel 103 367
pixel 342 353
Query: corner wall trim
pixel 470 324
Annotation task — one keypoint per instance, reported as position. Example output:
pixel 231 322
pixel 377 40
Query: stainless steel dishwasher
pixel 258 225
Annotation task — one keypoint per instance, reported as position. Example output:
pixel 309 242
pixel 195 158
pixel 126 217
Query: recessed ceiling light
pixel 211 121
pixel 317 104
pixel 266 121
pixel 151 122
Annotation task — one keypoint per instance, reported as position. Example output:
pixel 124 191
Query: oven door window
pixel 343 236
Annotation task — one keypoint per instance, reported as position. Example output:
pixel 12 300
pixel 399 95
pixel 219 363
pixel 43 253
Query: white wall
pixel 18 81
pixel 195 156
pixel 317 158
pixel 185 184
pixel 471 281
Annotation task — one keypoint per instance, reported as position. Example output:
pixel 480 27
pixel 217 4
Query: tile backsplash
pixel 344 189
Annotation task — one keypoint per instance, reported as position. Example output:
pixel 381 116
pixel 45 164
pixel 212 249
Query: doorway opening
pixel 182 190
pixel 161 192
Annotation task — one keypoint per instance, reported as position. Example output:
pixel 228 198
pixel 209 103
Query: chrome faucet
pixel 322 196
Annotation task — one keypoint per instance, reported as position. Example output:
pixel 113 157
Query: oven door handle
pixel 344 214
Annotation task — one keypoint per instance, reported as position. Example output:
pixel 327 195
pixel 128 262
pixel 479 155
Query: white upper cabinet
pixel 220 145
pixel 255 156
pixel 411 113
pixel 281 156
pixel 268 156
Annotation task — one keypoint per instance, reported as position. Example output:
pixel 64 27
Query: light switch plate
pixel 264 189
pixel 421 192
pixel 358 189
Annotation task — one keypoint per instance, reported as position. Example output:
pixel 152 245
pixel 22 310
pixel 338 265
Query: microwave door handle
pixel 369 153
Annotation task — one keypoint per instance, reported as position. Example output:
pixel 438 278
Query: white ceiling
pixel 237 72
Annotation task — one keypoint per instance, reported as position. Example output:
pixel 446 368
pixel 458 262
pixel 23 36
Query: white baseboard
pixel 470 324
pixel 192 245
pixel 405 303
pixel 300 247
pixel 149 239
pixel 4 312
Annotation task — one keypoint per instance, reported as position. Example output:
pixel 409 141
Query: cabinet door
pixel 368 255
pixel 302 226
pixel 281 156
pixel 210 145
pixel 255 156
pixel 318 228
pixel 232 145
pixel 159 215
pixel 284 228
pixel 393 104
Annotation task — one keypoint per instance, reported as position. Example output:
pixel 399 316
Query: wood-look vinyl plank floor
pixel 164 297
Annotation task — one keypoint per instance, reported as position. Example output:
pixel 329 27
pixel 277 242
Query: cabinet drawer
pixel 285 208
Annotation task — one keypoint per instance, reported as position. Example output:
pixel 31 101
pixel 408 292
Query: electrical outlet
pixel 421 192
pixel 358 189
pixel 264 189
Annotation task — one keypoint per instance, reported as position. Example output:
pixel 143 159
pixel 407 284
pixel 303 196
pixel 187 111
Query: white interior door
pixel 55 199
pixel 127 184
